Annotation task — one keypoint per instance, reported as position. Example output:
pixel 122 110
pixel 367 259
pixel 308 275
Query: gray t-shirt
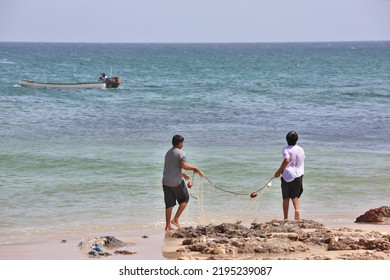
pixel 172 175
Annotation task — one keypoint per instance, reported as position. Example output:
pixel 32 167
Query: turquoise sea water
pixel 77 162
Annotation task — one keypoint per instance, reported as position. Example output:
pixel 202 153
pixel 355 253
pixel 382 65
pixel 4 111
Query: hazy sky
pixel 194 20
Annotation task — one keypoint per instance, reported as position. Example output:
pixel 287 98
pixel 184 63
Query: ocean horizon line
pixel 200 43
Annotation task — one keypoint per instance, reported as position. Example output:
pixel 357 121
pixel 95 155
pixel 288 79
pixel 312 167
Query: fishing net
pixel 207 198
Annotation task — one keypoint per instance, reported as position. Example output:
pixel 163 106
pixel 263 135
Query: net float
pixel 189 184
pixel 253 195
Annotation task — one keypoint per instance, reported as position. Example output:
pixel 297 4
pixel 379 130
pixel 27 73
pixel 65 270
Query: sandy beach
pixel 151 247
pixel 163 246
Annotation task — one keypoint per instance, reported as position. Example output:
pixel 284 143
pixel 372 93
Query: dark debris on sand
pixel 98 245
pixel 103 241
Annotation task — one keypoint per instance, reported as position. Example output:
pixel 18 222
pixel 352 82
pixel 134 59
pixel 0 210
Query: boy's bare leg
pixel 296 206
pixel 175 220
pixel 168 214
pixel 286 204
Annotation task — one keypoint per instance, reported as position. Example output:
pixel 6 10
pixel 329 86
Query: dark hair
pixel 177 139
pixel 292 138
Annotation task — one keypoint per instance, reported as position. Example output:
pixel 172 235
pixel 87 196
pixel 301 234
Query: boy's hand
pixel 200 173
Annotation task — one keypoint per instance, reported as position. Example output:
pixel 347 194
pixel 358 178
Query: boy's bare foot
pixel 175 223
pixel 297 215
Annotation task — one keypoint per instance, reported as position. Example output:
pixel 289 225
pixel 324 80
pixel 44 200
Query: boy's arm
pixel 282 167
pixel 186 166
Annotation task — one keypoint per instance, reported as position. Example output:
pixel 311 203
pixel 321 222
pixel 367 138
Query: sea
pixel 82 162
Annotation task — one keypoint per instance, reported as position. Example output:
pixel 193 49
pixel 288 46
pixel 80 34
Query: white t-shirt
pixel 296 166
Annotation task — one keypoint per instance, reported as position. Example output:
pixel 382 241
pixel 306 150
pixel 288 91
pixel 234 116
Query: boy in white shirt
pixel 292 170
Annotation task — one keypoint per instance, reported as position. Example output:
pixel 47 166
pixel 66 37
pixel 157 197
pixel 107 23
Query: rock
pixel 332 243
pixel 371 241
pixel 112 242
pixel 376 215
pixel 278 240
pixel 181 250
pixel 124 252
pixel 93 253
pixel 104 241
pixel 187 241
pixel 218 250
pixel 233 230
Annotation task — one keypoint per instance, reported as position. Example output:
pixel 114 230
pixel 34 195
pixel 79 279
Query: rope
pixel 254 194
pixel 266 185
pixel 237 193
pixel 193 196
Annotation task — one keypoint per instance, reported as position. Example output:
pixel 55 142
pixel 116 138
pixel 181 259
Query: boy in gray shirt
pixel 173 184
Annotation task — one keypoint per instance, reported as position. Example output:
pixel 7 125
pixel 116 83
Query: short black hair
pixel 177 139
pixel 292 138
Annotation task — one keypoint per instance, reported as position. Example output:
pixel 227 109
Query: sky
pixel 194 21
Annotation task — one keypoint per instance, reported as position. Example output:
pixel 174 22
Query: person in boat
pixel 173 183
pixel 103 77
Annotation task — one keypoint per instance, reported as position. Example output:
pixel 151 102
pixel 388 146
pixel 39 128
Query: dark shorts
pixel 292 189
pixel 173 194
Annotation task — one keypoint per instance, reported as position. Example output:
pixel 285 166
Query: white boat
pixel 107 83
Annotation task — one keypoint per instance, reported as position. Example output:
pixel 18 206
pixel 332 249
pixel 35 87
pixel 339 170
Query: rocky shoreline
pixel 274 240
pixel 281 240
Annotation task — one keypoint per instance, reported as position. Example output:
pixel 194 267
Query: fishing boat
pixel 112 82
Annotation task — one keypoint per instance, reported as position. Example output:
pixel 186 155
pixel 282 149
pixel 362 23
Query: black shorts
pixel 292 189
pixel 173 194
